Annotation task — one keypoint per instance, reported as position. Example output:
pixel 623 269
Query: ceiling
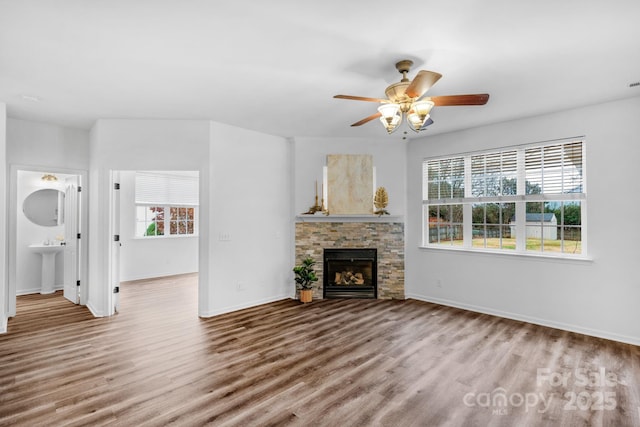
pixel 274 66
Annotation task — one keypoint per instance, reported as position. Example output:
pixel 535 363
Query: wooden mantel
pixel 350 218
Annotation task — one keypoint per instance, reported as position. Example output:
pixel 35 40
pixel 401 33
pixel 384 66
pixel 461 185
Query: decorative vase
pixel 306 295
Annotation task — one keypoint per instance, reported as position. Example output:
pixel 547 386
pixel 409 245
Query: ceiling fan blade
pixel 361 98
pixel 428 122
pixel 451 100
pixel 367 119
pixel 421 83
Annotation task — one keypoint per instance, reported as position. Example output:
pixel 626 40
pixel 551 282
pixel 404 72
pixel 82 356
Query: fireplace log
pixel 349 278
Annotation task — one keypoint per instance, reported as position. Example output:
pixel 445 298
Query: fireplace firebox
pixel 350 273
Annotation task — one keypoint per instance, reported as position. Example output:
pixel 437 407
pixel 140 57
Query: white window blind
pixel 445 178
pixel 554 169
pixel 494 174
pixel 166 188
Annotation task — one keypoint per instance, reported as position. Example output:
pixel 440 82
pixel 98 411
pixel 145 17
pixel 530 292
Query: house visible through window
pixel 519 199
pixel 166 204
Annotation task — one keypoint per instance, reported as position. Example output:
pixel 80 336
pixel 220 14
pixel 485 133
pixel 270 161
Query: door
pixel 115 241
pixel 72 236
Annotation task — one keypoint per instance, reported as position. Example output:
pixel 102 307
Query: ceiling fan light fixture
pixel 422 108
pixel 415 122
pixel 419 114
pixel 390 116
pixel 391 123
pixel 389 111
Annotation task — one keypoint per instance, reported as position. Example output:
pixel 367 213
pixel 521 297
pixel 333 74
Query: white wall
pixel 41 144
pixel 3 219
pixel 389 159
pixel 144 258
pixel 250 205
pixel 29 263
pixel 244 194
pixel 598 297
pixel 138 145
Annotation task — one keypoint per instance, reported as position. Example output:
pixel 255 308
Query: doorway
pixel 154 220
pixel 46 221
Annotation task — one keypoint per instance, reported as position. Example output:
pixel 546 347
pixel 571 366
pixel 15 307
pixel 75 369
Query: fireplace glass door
pixel 350 273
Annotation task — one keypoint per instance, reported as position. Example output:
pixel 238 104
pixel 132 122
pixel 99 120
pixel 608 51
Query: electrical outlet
pixel 241 286
pixel 439 283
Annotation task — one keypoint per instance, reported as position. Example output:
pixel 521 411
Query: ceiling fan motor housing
pixel 397 91
pixel 396 94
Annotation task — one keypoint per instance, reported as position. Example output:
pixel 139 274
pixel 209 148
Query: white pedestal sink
pixel 48 253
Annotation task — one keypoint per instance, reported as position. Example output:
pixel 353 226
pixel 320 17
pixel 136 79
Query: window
pixel 152 221
pixel 181 220
pixel 520 199
pixel 490 225
pixel 166 204
pixel 445 182
pixel 149 220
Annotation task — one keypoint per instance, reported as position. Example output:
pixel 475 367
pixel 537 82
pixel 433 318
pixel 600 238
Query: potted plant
pixel 305 276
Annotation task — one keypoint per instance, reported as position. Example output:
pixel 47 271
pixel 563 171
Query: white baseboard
pixel 92 309
pixel 36 290
pixel 3 325
pixel 154 275
pixel 242 306
pixel 537 321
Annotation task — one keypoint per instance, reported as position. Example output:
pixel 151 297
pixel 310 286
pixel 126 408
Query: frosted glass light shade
pixel 414 121
pixel 392 123
pixel 419 114
pixel 422 108
pixel 388 111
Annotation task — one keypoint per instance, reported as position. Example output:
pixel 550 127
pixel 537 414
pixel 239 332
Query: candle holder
pixel 316 207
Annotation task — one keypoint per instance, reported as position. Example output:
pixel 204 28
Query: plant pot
pixel 306 295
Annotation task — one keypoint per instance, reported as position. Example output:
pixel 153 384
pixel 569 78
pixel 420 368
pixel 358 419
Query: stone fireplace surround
pixel 314 233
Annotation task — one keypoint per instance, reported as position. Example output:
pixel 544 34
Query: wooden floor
pixel 328 363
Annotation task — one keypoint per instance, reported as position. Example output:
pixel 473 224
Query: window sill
pixel 526 255
pixel 173 236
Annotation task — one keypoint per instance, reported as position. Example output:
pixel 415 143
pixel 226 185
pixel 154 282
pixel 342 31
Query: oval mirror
pixel 45 207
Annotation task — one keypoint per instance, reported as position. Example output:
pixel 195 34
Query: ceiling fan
pixel 405 97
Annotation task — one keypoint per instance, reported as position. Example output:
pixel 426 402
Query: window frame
pixel 166 222
pixel 522 196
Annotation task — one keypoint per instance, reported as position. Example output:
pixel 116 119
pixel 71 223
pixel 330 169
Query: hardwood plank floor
pixel 328 363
